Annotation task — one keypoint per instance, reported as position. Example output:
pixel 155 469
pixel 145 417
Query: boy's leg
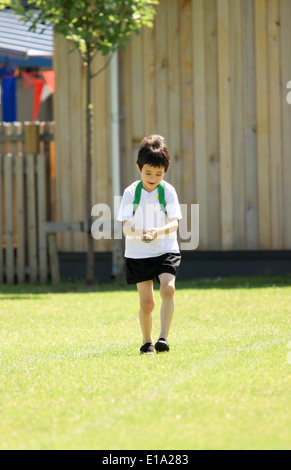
pixel 167 290
pixel 147 304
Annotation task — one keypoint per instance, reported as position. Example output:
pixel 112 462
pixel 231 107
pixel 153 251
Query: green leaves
pixel 4 4
pixel 91 25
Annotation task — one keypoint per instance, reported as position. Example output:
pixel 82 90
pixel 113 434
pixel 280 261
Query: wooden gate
pixel 26 189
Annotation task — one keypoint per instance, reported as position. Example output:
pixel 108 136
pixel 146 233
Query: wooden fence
pixel 211 76
pixel 26 200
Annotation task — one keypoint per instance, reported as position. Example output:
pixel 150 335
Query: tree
pixel 92 26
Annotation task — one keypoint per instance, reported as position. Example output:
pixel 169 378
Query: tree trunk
pixel 90 275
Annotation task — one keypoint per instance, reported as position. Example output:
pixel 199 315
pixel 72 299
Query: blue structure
pixel 20 47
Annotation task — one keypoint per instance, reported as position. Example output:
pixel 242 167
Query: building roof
pixel 24 47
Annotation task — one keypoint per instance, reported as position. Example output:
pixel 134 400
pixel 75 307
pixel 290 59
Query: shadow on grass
pixel 29 290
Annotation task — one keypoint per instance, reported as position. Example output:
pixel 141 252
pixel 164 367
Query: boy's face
pixel 151 176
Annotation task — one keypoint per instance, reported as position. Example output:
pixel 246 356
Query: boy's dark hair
pixel 153 151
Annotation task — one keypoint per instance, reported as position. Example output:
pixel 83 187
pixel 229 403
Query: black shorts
pixel 145 269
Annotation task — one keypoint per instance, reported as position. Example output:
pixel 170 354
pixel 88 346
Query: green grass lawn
pixel 72 378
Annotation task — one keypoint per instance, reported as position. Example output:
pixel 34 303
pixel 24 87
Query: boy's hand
pixel 149 235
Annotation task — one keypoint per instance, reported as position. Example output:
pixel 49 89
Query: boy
pixel 150 212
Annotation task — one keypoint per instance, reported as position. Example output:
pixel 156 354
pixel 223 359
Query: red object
pixel 38 86
pixel 49 77
pixel 30 79
pixel 27 79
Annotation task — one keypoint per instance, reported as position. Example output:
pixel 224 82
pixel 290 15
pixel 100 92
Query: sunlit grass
pixel 72 378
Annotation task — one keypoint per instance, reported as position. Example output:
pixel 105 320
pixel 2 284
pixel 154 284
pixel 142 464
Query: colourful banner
pixel 9 113
pixel 41 89
pixel 49 77
pixel 43 86
pixel 27 79
pixel 37 90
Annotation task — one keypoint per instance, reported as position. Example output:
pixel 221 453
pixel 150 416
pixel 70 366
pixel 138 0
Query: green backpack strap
pixel 161 196
pixel 162 200
pixel 137 197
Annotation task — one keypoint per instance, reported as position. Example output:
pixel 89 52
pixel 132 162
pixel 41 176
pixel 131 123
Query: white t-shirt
pixel 150 215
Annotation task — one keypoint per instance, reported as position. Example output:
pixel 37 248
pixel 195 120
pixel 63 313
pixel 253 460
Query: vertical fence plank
pixel 225 141
pixel 101 162
pixel 174 95
pixel 51 169
pixel 286 117
pixel 77 142
pixel 8 132
pixel 149 81
pixel 53 257
pixel 275 119
pixel 137 95
pixel 250 126
pixel 16 148
pixel 1 221
pixel 31 137
pixel 162 66
pixel 125 110
pixel 41 213
pixel 199 95
pixel 31 216
pixel 20 217
pixel 237 119
pixel 264 216
pixel 186 77
pixel 212 141
pixel 62 138
pixel 8 181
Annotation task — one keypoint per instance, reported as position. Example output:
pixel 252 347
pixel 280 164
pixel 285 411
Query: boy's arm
pixel 171 226
pixel 146 236
pixel 130 229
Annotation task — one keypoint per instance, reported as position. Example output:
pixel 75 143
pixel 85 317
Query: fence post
pixel 20 214
pixel 31 138
pixel 31 216
pixel 54 260
pixel 41 212
pixel 8 179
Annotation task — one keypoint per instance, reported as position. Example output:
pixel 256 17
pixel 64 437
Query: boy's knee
pixel 167 290
pixel 147 305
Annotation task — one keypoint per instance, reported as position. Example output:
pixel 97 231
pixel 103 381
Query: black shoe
pixel 147 348
pixel 162 345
